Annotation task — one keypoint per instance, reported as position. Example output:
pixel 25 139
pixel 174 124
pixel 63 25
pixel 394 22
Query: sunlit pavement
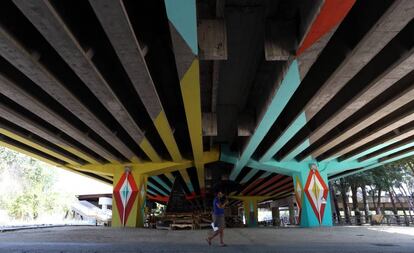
pixel 99 239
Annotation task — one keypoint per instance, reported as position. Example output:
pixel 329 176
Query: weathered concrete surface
pixel 97 239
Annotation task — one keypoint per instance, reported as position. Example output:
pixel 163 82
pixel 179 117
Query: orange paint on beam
pixel 330 15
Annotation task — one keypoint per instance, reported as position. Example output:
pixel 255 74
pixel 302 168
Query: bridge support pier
pixel 312 196
pixel 129 196
pixel 250 211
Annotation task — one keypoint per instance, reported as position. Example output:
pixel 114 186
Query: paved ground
pixel 286 240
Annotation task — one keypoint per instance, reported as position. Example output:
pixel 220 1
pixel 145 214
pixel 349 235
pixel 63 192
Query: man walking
pixel 218 217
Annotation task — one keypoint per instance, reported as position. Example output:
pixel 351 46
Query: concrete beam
pixel 115 21
pixel 280 98
pixel 346 73
pixel 280 40
pixel 390 77
pixel 209 124
pixel 37 154
pixel 183 30
pixel 246 125
pixel 322 25
pixel 398 144
pixel 385 29
pixel 45 18
pixel 34 143
pixel 11 49
pixel 212 39
pixel 24 99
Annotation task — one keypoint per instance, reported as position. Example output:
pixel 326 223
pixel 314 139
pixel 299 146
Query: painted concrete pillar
pixel 292 219
pixel 313 198
pixel 276 215
pixel 129 194
pixel 250 211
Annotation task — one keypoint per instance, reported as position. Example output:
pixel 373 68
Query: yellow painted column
pixel 250 208
pixel 129 196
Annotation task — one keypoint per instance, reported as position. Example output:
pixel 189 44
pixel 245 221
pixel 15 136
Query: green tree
pixel 27 186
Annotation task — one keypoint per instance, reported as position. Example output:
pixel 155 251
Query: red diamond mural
pixel 125 193
pixel 317 193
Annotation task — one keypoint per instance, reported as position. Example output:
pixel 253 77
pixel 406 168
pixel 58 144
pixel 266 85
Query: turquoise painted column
pixel 250 212
pixel 312 195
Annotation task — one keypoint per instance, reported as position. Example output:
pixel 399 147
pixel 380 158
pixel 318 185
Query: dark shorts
pixel 219 221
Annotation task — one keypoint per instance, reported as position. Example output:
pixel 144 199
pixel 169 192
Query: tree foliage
pixel 27 186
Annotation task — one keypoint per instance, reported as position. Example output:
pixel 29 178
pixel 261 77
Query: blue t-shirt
pixel 217 210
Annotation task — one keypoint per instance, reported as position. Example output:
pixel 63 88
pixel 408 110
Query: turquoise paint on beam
pixel 392 151
pixel 373 149
pixel 158 189
pixel 151 192
pixel 297 150
pixel 292 130
pixel 248 176
pixel 182 14
pixel 161 182
pixel 288 86
pixel 378 164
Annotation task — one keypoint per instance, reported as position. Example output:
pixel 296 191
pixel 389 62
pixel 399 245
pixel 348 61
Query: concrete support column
pixel 313 198
pixel 129 196
pixel 250 208
pixel 250 211
pixel 292 212
pixel 276 215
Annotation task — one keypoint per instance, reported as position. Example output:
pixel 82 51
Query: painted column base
pixel 129 198
pixel 313 198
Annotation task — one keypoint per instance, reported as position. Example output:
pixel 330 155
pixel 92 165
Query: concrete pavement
pixel 100 239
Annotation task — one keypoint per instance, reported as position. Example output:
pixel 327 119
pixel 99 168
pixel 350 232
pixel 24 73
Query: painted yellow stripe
pixel 38 147
pixel 148 150
pixel 190 90
pixel 101 170
pixel 170 176
pixel 164 129
pixel 7 145
pixel 185 176
pixel 154 169
pixel 79 154
pixel 201 177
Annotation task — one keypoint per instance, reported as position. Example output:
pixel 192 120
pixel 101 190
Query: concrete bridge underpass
pixel 276 96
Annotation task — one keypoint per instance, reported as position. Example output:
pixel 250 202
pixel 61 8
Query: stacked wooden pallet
pixel 177 221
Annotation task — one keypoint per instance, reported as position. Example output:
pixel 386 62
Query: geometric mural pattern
pixel 317 193
pixel 298 196
pixel 125 193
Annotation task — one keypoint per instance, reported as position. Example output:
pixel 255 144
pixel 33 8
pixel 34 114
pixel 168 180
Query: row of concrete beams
pixel 387 27
pixel 34 141
pixel 29 65
pixel 46 19
pixel 399 66
pixel 30 103
pixel 291 81
pixel 183 29
pixel 20 147
pixel 117 26
pixel 390 24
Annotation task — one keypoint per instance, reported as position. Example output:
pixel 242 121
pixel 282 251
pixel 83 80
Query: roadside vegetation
pixel 28 190
pixel 388 190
